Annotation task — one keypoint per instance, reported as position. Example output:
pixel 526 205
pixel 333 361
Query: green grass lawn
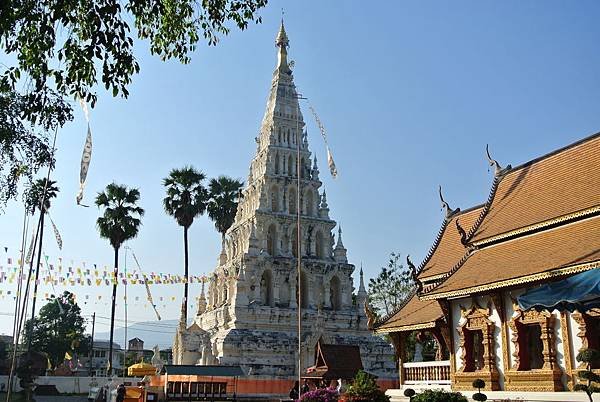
pixel 15 396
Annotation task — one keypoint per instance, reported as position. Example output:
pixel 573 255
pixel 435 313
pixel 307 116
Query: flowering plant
pixel 320 395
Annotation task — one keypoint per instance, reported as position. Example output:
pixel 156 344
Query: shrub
pixel 320 395
pixel 588 356
pixel 439 396
pixel 479 397
pixel 363 389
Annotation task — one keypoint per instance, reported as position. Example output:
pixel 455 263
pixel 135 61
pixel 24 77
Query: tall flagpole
pixel 299 241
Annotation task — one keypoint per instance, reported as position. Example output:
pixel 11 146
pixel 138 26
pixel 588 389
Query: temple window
pixel 266 289
pixel 295 245
pixel 275 199
pixel 319 245
pixel 302 169
pixel 277 163
pixel 272 240
pixel 335 295
pixel 279 135
pixel 474 350
pixel 290 166
pixel 304 291
pixel 292 199
pixel 477 345
pixel 533 339
pixel 589 331
pixel 309 207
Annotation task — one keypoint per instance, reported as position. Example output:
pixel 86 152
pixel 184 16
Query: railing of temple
pixel 436 372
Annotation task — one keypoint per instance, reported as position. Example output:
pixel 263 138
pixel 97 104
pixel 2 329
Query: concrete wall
pixel 69 385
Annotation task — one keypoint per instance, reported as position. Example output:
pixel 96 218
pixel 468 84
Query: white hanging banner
pixel 86 156
pixel 56 234
pixel 330 161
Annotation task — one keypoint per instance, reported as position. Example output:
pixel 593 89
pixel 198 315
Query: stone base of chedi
pixel 249 315
pixel 274 352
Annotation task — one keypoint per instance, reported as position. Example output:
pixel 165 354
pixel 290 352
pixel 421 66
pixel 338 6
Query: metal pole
pixel 126 344
pixel 92 346
pixel 299 241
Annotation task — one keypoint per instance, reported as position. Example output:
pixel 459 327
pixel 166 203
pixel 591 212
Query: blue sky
pixel 409 92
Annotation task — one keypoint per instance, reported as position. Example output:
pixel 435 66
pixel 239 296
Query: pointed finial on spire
pixel 339 242
pixel 282 43
pixel 183 317
pixel 361 288
pixel 324 200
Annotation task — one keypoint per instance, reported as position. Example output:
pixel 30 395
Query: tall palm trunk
pixel 185 264
pixel 35 283
pixel 112 313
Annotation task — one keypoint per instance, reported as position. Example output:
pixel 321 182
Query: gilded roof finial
pixel 282 43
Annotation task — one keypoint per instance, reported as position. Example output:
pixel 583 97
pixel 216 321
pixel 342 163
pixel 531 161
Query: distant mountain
pixel 159 333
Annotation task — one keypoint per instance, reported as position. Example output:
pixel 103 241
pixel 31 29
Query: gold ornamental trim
pixel 568 217
pixel 405 328
pixel 573 269
pixel 432 277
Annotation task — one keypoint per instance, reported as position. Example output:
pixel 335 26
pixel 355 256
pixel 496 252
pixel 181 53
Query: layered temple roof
pixel 414 314
pixel 553 186
pixel 541 221
pixel 564 250
pixel 447 249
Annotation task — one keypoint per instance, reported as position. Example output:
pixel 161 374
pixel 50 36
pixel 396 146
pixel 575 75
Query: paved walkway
pixel 61 398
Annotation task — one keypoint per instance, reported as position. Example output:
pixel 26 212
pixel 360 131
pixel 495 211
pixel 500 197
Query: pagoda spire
pixel 282 43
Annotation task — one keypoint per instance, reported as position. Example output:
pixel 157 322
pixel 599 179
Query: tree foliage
pixel 390 287
pixel 364 388
pixel 58 328
pixel 35 194
pixel 62 50
pixel 224 198
pixel 121 219
pixel 24 147
pixel 589 379
pixel 186 195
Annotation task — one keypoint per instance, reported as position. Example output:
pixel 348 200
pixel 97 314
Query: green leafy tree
pixel 186 199
pixel 57 329
pixel 24 148
pixel 120 221
pixel 364 388
pixel 589 380
pixel 37 198
pixel 390 287
pixel 224 198
pixel 64 49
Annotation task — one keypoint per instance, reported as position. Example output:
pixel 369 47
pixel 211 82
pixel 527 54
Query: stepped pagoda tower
pixel 249 314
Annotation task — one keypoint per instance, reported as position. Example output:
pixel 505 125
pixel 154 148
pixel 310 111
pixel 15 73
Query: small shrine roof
pixel 415 314
pixel 551 187
pixel 335 361
pixel 555 252
pixel 447 249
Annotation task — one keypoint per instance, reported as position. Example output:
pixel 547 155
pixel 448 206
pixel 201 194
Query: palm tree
pixel 224 198
pixel 37 198
pixel 186 199
pixel 120 222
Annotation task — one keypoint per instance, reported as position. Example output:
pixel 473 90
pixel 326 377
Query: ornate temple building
pixel 510 289
pixel 248 315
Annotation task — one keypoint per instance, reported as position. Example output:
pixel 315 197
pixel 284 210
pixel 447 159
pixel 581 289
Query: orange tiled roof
pixel 447 250
pixel 558 184
pixel 415 314
pixel 566 249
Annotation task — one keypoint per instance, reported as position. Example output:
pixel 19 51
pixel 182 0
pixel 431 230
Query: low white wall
pixel 68 385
